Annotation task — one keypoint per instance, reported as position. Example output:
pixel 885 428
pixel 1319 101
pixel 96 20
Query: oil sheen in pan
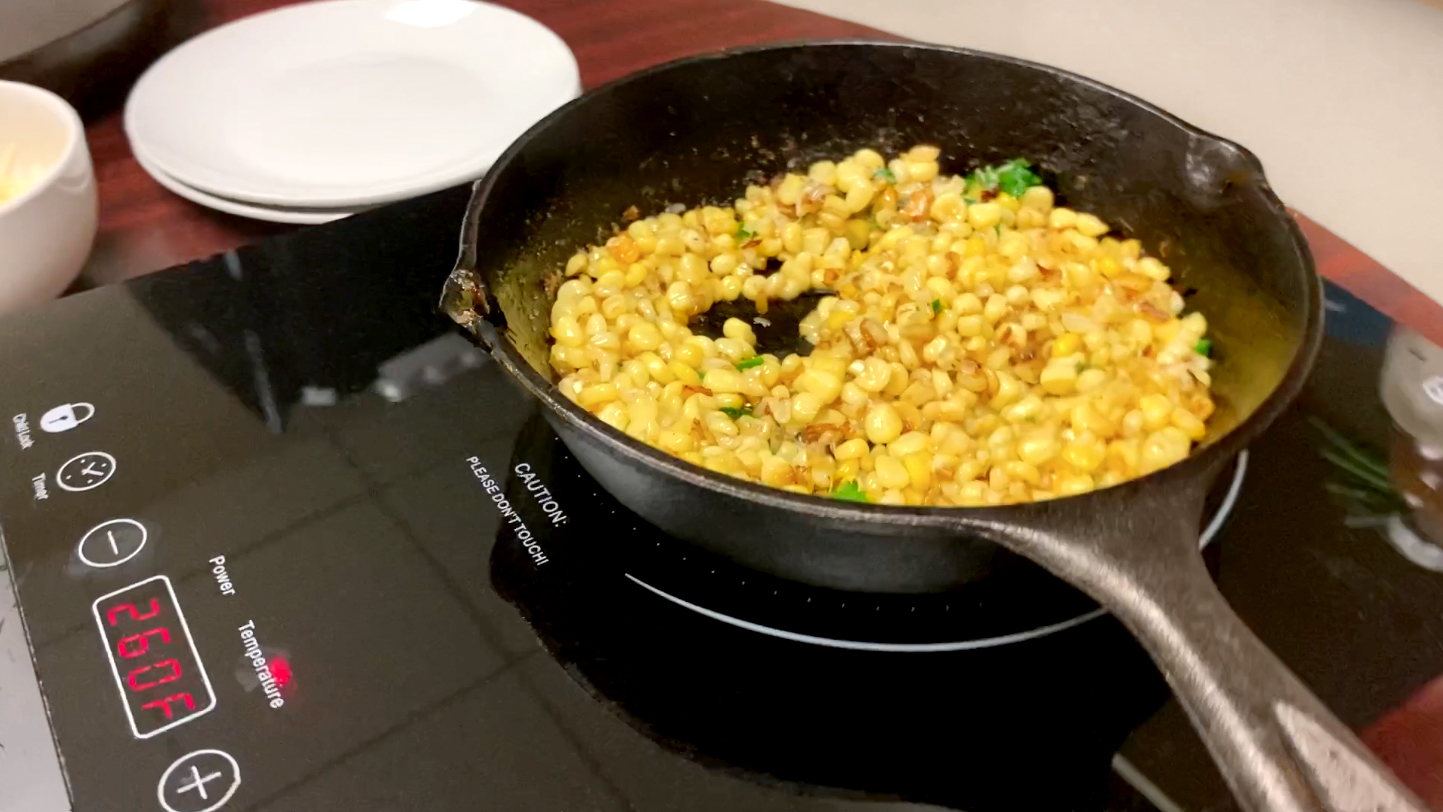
pixel 1209 534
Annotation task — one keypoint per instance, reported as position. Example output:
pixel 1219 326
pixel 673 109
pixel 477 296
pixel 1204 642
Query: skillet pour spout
pixel 690 131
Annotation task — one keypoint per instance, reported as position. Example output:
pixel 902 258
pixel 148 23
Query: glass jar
pixel 1412 392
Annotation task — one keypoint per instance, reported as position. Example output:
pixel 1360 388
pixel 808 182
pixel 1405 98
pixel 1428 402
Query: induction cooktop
pixel 281 539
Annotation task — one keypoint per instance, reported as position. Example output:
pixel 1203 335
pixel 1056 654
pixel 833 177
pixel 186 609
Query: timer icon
pixel 85 471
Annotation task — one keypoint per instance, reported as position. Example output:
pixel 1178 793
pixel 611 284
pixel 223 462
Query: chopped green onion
pixel 1013 177
pixel 1016 177
pixel 743 234
pixel 748 363
pixel 1359 469
pixel 735 412
pixel 984 177
pixel 885 174
pixel 1203 347
pixel 936 305
pixel 1349 449
pixel 850 491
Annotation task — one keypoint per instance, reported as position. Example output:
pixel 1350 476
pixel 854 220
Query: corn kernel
pixel 1066 344
pixel 851 449
pixel 891 473
pixel 883 424
pixel 1020 471
pixel 984 215
pixel 595 395
pixel 1163 448
pixel 684 374
pixel 919 469
pixel 1188 423
pixel 909 443
pixel 1060 377
pixel 1084 457
pixel 1090 226
pixel 805 407
pixel 1087 418
pixel 1038 448
pixel 1151 268
pixel 825 385
pixel 1156 411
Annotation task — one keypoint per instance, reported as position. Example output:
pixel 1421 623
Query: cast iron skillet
pixel 689 131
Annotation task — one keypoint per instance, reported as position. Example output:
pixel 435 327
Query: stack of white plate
pixel 310 113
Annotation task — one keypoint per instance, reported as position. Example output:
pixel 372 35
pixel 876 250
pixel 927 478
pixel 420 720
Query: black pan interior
pixel 695 132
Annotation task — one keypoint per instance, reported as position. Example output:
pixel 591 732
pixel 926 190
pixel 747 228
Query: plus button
pixel 202 781
pixel 197 784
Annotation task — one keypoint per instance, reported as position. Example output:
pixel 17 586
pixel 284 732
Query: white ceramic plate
pixel 255 211
pixel 348 102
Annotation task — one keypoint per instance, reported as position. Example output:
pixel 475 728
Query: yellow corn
pixel 968 354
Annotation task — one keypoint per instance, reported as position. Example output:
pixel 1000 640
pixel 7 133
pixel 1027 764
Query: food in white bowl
pixel 48 208
pixel 16 179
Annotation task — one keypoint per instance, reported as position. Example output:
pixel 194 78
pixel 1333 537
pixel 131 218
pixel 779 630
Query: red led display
pixel 159 674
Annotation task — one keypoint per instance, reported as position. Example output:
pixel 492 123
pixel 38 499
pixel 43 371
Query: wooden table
pixel 144 228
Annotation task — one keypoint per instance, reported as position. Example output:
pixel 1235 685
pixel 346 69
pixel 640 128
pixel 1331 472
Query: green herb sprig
pixel 1013 177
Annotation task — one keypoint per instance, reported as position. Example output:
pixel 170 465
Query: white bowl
pixel 46 232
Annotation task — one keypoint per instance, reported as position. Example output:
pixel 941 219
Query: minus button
pixel 112 543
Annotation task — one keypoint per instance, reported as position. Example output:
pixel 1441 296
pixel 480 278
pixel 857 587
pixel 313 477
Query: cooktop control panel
pixel 122 606
pixel 218 611
pixel 202 500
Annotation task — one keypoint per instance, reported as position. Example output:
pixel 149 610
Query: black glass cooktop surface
pixel 284 541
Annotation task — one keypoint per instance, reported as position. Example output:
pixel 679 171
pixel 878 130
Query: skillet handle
pixel 1277 745
pixel 1279 748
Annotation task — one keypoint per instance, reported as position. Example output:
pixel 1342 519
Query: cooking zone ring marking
pixel 1208 534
